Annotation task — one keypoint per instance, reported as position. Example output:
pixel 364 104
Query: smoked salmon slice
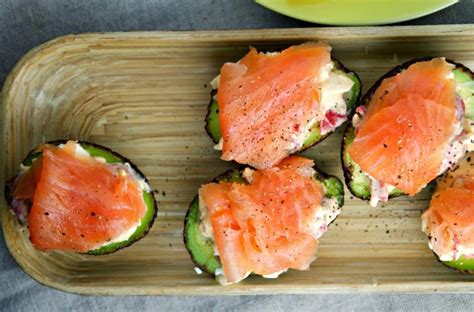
pixel 269 102
pixel 265 226
pixel 410 121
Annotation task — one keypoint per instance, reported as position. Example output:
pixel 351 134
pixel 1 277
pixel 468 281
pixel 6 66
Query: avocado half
pixel 351 97
pixel 201 249
pixel 357 182
pixel 110 156
pixel 464 264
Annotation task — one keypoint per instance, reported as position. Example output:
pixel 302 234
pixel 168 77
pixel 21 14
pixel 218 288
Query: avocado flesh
pixel 357 182
pixel 201 248
pixel 351 97
pixel 462 264
pixel 466 90
pixel 145 222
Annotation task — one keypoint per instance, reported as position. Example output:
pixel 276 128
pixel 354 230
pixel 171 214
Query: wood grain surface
pixel 144 94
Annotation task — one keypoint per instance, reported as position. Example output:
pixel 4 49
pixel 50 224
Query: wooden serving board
pixel 144 94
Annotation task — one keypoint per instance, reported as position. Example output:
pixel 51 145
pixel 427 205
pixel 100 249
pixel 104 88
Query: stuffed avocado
pixel 81 197
pixel 364 185
pixel 449 220
pixel 314 137
pixel 268 106
pixel 203 249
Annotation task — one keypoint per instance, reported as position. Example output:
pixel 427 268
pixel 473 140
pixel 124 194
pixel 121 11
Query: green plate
pixel 355 12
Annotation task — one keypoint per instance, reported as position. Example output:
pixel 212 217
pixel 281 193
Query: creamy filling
pixel 205 226
pixel 462 142
pixel 142 183
pixel 275 274
pixel 124 235
pixel 460 250
pixel 218 146
pixel 247 174
pixel 358 116
pixel 197 270
pixel 328 211
pixel 455 253
pixel 221 279
pixel 379 191
pixel 24 168
pixel 306 171
pixel 298 138
pixel 333 85
pixel 215 82
pixel 81 152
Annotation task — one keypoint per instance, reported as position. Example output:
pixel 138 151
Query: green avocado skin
pixel 357 182
pixel 110 156
pixel 201 249
pixel 352 96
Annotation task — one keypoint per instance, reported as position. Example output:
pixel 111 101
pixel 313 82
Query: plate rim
pixel 422 13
